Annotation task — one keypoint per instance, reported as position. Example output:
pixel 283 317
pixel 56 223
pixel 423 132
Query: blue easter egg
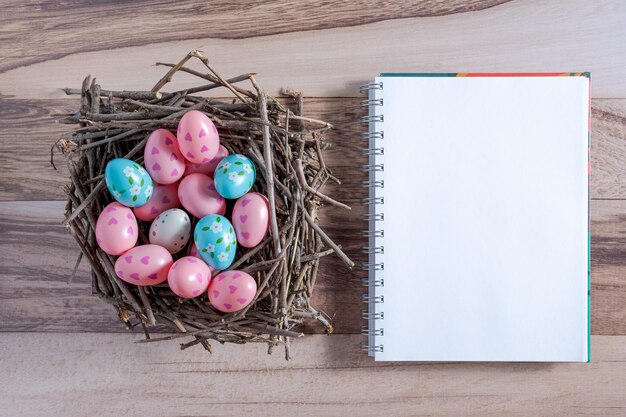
pixel 215 240
pixel 128 182
pixel 234 176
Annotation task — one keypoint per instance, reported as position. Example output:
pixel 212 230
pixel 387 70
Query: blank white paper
pixel 485 218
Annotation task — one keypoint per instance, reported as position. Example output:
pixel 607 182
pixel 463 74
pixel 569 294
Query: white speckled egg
pixel 171 230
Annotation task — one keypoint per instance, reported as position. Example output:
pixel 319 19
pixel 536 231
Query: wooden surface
pixel 64 352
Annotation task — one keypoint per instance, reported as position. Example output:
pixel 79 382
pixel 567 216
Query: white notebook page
pixel 486 218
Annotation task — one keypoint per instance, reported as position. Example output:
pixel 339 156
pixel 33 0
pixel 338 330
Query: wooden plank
pixel 608 267
pixel 27 131
pixel 38 255
pixel 608 149
pixel 106 374
pixel 534 35
pixel 228 20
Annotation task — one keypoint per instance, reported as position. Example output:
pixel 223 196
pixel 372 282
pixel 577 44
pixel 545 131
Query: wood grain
pixel 324 49
pixel 534 35
pixel 108 375
pixel 38 255
pixel 189 20
pixel 30 129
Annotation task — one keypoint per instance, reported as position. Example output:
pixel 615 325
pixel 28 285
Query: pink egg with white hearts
pixel 232 291
pixel 164 197
pixel 193 251
pixel 251 219
pixel 189 277
pixel 197 136
pixel 144 265
pixel 207 168
pixel 162 158
pixel 116 229
pixel 197 194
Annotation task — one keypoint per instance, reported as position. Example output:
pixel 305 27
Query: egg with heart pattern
pixel 116 229
pixel 162 157
pixel 197 194
pixel 144 265
pixel 189 277
pixel 197 136
pixel 251 219
pixel 232 291
pixel 164 197
pixel 207 168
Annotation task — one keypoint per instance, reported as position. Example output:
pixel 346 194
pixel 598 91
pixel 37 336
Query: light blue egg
pixel 216 242
pixel 234 176
pixel 128 183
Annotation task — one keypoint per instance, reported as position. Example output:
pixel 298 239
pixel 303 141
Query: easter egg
pixel 127 182
pixel 251 219
pixel 214 237
pixel 234 176
pixel 197 137
pixel 231 291
pixel 193 251
pixel 171 230
pixel 164 197
pixel 197 194
pixel 162 157
pixel 144 265
pixel 189 277
pixel 207 168
pixel 116 229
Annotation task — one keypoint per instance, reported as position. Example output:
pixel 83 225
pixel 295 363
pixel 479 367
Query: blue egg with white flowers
pixel 128 182
pixel 234 176
pixel 215 240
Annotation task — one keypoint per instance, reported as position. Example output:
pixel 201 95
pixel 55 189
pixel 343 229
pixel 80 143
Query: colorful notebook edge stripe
pixel 485 74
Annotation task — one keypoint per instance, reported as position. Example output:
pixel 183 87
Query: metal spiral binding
pixel 365 89
pixel 375 184
pixel 371 281
pixel 367 136
pixel 372 332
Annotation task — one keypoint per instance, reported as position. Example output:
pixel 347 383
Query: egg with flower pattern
pixel 128 182
pixel 215 240
pixel 234 176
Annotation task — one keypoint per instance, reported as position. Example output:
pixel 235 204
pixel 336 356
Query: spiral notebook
pixel 478 217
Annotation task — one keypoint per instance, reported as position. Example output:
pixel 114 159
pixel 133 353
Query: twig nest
pixel 251 158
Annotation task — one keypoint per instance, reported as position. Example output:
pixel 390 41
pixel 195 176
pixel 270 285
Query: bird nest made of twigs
pixel 287 149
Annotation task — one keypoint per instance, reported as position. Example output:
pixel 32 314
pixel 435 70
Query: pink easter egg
pixel 198 139
pixel 251 219
pixel 207 168
pixel 193 251
pixel 189 277
pixel 116 229
pixel 231 291
pixel 164 197
pixel 197 194
pixel 144 265
pixel 162 158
